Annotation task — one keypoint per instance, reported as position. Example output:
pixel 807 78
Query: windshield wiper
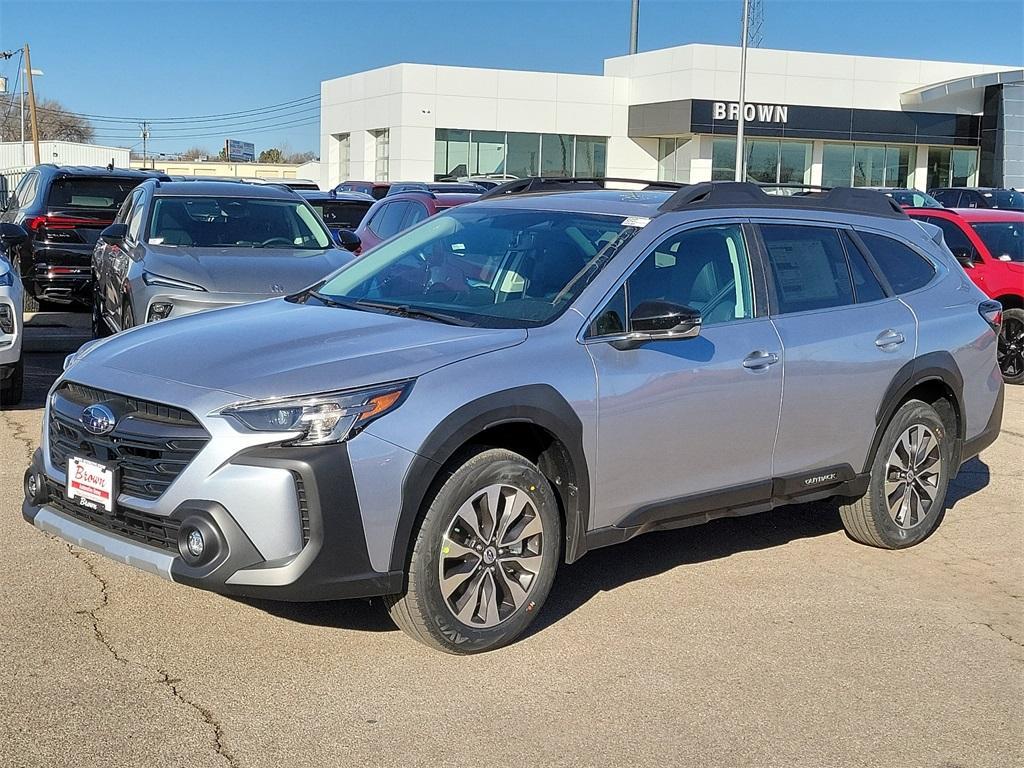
pixel 404 310
pixel 328 300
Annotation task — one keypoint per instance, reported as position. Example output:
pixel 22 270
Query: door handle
pixel 759 359
pixel 889 338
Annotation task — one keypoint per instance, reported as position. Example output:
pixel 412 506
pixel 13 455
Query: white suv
pixel 12 367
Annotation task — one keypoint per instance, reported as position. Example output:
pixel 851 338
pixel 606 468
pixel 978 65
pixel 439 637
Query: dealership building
pixel 671 114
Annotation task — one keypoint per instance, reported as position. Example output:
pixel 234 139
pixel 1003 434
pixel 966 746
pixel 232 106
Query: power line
pixel 17 81
pixel 264 129
pixel 214 117
pixel 307 112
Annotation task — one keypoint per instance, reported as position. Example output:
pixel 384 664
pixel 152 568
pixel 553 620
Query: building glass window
pixel 459 153
pixel 486 153
pixel 591 156
pixel 382 154
pixel 523 154
pixel 769 161
pixel 723 160
pixel 948 167
pixel 344 155
pixel 867 165
pixel 556 154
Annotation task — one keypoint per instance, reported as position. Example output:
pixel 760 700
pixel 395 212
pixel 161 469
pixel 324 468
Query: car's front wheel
pixel 11 389
pixel 484 557
pixel 906 495
pixel 1011 346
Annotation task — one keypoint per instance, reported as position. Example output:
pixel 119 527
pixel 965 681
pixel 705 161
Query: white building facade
pixel 671 114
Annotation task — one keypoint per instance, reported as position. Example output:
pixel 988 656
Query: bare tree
pixel 195 153
pixel 56 123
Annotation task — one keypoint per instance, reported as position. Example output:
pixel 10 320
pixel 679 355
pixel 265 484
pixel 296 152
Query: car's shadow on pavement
pixel 649 555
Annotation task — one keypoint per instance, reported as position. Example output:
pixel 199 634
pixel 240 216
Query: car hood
pixel 266 271
pixel 276 348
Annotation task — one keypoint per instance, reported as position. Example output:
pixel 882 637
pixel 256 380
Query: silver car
pixel 181 247
pixel 12 303
pixel 517 381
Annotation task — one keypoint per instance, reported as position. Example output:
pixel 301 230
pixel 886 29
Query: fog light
pixel 159 310
pixel 195 543
pixel 6 319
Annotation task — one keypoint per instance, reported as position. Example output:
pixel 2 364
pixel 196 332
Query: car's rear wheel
pixel 1011 346
pixel 906 495
pixel 12 388
pixel 484 557
pixel 127 315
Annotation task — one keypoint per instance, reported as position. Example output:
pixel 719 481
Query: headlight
pixel 169 282
pixel 83 350
pixel 6 276
pixel 331 417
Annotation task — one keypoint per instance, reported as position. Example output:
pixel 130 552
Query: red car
pixel 989 243
pixel 400 211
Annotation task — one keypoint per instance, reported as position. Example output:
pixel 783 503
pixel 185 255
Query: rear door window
pixel 390 220
pixel 808 266
pixel 865 285
pixel 417 212
pixel 107 194
pixel 904 268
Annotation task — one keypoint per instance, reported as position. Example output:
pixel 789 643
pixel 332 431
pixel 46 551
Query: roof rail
pixel 729 194
pixel 570 184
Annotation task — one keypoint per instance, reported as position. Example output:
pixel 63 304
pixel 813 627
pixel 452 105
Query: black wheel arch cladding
pixel 538 405
pixel 937 367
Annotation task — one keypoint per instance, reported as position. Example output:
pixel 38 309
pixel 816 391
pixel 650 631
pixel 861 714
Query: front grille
pixel 149 529
pixel 150 446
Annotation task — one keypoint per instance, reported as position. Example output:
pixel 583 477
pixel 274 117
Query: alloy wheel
pixel 491 556
pixel 912 475
pixel 1010 352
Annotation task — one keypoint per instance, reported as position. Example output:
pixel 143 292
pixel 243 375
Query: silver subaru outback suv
pixel 558 367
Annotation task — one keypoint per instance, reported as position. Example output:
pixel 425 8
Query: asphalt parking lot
pixel 766 640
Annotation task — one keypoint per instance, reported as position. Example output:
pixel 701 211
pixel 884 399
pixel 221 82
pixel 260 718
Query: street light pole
pixel 741 156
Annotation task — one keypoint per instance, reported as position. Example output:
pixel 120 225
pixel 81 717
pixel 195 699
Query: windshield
pixel 341 215
pixel 91 193
pixel 235 222
pixel 913 198
pixel 1005 198
pixel 488 267
pixel 1004 239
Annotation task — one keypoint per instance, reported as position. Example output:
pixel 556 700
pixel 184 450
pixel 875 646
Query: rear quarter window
pixel 904 268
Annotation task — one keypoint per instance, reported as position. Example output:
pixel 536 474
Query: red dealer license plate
pixel 91 483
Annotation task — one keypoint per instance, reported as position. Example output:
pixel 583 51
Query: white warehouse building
pixel 671 114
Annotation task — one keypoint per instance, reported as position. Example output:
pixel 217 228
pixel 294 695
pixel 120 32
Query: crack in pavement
pixel 1001 634
pixel 206 714
pixel 21 434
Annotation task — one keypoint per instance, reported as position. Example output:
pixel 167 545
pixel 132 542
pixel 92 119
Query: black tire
pixel 100 329
pixel 1011 346
pixel 13 387
pixel 127 315
pixel 868 519
pixel 422 611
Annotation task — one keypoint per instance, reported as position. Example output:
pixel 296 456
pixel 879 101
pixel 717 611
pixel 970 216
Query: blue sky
pixel 157 59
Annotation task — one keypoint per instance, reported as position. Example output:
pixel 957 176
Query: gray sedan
pixel 176 248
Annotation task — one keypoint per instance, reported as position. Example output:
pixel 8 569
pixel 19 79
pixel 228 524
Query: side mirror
pixel 13 233
pixel 660 321
pixel 348 240
pixel 114 234
pixel 964 255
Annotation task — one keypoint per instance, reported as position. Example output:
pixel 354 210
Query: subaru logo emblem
pixel 98 419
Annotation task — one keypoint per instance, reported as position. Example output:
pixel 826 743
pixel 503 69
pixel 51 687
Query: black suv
pixel 979 197
pixel 64 208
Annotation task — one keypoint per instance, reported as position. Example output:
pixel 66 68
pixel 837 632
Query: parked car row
pixel 489 393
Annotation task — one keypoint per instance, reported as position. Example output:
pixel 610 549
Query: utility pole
pixel 32 103
pixel 145 140
pixel 634 26
pixel 741 156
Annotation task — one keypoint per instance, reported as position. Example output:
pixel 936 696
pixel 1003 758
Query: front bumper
pixel 11 343
pixel 333 562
